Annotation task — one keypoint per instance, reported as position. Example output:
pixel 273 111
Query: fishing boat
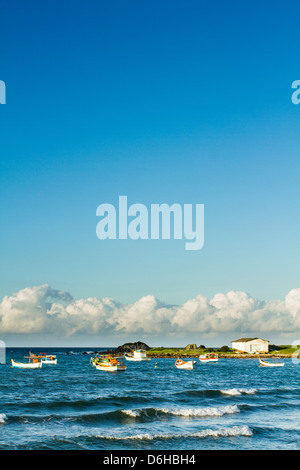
pixel 208 357
pixel 33 363
pixel 180 364
pixel 270 364
pixel 138 355
pixel 108 363
pixel 49 360
pixel 37 356
pixel 45 358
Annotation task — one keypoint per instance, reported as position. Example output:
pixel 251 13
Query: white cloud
pixel 26 311
pixel 43 310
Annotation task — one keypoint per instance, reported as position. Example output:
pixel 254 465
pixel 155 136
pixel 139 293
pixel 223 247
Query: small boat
pixel 49 360
pixel 108 363
pixel 208 357
pixel 45 358
pixel 138 355
pixel 33 363
pixel 270 364
pixel 180 364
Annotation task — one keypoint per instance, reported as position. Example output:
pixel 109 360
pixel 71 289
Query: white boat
pixel 45 358
pixel 108 363
pixel 208 357
pixel 138 355
pixel 35 364
pixel 180 364
pixel 270 364
pixel 49 360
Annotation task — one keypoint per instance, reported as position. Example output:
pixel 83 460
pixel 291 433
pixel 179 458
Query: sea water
pixel 232 404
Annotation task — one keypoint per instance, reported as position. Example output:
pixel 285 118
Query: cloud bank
pixel 44 310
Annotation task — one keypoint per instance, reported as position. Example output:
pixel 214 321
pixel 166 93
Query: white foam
pixel 225 432
pixel 132 413
pixel 186 412
pixel 235 431
pixel 205 411
pixel 239 391
pixel 3 418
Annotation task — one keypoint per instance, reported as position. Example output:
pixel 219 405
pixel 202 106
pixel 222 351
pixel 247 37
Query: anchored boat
pixel 138 355
pixel 270 364
pixel 50 360
pixel 180 364
pixel 33 363
pixel 45 358
pixel 108 363
pixel 208 357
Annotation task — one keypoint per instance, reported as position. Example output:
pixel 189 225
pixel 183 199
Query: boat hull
pixel 48 361
pixel 137 359
pixel 21 365
pixel 270 364
pixel 110 368
pixel 185 365
pixel 207 360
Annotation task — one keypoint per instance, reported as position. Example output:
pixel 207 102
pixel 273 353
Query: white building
pixel 251 345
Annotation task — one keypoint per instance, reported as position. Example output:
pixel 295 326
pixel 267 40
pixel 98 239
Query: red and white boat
pixel 208 357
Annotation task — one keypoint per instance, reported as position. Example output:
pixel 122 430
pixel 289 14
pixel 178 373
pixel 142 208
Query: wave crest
pixel 235 431
pixel 3 418
pixel 206 411
pixel 239 391
pixel 186 412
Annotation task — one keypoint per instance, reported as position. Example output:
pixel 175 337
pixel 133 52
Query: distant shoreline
pixel 170 353
pixel 220 356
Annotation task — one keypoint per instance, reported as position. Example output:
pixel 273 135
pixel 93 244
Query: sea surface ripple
pixel 233 404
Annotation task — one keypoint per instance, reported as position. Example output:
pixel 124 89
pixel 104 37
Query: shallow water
pixel 233 404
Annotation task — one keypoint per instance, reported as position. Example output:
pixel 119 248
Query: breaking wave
pixel 205 411
pixel 235 431
pixel 186 412
pixel 239 391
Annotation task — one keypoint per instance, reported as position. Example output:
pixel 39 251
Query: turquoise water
pixel 233 404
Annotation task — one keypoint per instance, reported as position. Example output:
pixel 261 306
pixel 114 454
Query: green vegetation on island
pixel 224 351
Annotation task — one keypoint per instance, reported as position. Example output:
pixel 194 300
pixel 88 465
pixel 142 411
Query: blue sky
pixel 162 101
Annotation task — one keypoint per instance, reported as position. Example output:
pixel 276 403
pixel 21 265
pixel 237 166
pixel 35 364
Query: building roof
pixel 245 340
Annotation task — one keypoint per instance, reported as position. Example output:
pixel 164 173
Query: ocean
pixel 233 404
